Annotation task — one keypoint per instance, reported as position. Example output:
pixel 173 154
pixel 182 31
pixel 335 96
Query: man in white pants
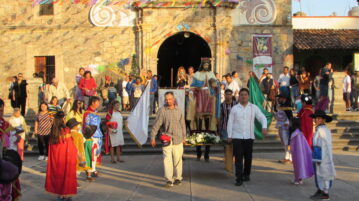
pixel 173 120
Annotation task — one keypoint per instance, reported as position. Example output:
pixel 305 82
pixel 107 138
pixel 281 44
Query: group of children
pixel 83 148
pixel 310 153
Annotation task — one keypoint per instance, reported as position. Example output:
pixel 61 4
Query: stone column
pixel 32 105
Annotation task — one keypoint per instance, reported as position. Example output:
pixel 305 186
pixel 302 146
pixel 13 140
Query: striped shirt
pixel 44 124
pixel 225 110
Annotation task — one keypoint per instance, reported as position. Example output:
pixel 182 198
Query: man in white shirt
pixel 347 88
pixel 284 82
pixel 59 90
pixel 240 128
pixel 232 85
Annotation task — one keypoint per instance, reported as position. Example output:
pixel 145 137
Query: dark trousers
pixel 199 148
pixel 43 144
pixel 206 152
pixel 21 103
pixel 242 149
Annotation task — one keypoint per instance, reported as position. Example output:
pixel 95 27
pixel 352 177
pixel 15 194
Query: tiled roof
pixel 307 39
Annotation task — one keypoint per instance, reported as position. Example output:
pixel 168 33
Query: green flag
pixel 256 97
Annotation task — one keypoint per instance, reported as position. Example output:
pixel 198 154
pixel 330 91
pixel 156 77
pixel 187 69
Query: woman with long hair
pixel 54 106
pixel 43 124
pixel 62 160
pixel 181 78
pixel 77 111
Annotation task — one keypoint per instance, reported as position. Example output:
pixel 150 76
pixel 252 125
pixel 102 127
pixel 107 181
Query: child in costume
pixel 78 139
pixel 306 121
pixel 17 121
pixel 301 153
pixel 10 190
pixel 324 169
pixel 283 116
pixel 90 151
pixel 115 134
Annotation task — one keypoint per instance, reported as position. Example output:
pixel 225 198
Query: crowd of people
pixel 71 124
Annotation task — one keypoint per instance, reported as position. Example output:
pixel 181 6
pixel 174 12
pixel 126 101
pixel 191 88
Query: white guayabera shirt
pixel 241 121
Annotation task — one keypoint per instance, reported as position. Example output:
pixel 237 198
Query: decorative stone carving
pixel 254 12
pixel 103 15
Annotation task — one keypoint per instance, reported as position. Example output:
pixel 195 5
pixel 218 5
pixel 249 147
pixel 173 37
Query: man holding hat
pixel 173 121
pixel 322 156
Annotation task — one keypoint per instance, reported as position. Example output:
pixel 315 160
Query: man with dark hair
pixel 284 82
pixel 92 118
pixel 190 75
pixel 226 107
pixel 240 128
pixel 153 90
pixel 173 120
pixel 324 82
pixel 232 85
pixel 237 79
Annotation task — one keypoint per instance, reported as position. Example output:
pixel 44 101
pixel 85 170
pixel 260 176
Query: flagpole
pixel 300 5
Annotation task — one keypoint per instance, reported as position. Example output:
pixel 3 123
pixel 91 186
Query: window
pixel 45 65
pixel 47 8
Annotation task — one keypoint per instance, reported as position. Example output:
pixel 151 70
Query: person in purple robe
pixel 301 154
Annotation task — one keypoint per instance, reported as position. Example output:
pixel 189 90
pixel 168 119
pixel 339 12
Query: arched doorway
pixel 182 49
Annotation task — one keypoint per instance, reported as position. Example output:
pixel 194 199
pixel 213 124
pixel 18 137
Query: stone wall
pixel 68 35
pixel 74 41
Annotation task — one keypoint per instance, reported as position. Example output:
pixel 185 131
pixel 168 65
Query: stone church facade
pixel 61 38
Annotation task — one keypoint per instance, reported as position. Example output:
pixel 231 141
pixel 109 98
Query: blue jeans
pixel 152 103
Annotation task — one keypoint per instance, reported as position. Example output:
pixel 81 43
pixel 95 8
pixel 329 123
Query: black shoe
pixel 316 195
pixel 206 160
pixel 324 196
pixel 198 158
pixel 239 183
pixel 246 178
pixel 177 182
pixel 168 184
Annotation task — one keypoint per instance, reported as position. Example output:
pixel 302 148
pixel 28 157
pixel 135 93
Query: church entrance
pixel 182 49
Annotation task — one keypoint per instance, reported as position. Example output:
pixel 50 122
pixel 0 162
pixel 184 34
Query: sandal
pixel 113 162
pixel 120 161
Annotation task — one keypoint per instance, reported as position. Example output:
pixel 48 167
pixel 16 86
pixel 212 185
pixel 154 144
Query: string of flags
pixel 139 3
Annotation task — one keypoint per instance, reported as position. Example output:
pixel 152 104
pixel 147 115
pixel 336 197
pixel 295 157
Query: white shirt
pixel 234 87
pixel 347 84
pixel 284 80
pixel 241 121
pixel 60 91
pixel 124 92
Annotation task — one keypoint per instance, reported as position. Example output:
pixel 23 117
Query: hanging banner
pixel 262 53
pixel 179 96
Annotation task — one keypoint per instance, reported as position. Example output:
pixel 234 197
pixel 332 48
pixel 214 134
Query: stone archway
pixel 181 49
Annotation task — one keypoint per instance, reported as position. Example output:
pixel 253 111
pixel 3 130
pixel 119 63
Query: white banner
pixel 137 122
pixel 179 96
